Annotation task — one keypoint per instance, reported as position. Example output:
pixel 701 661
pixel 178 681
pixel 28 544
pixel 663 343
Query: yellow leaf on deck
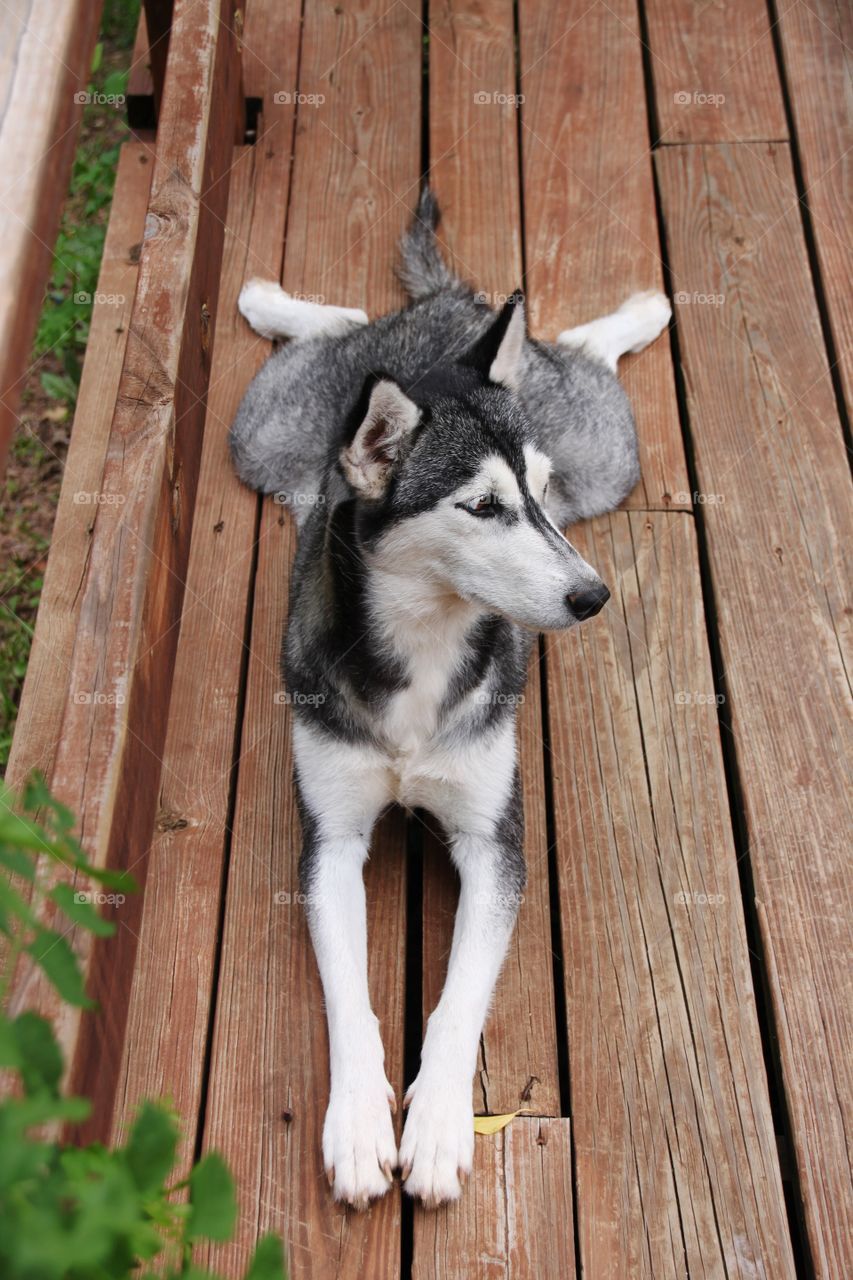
pixel 494 1124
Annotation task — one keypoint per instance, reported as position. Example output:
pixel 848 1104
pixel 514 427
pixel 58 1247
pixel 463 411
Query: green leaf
pixel 60 966
pixel 76 905
pixel 150 1150
pixel 268 1260
pixel 39 1055
pixel 97 56
pixel 19 862
pixel 214 1206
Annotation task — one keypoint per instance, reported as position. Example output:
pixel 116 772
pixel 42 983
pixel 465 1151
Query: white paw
pixel 275 314
pixel 650 312
pixel 359 1147
pixel 258 303
pixel 438 1140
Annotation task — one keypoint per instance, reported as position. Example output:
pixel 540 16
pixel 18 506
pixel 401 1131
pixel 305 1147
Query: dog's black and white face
pixel 454 490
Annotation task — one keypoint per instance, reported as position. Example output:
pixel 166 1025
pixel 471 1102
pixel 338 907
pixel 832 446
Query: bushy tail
pixel 422 269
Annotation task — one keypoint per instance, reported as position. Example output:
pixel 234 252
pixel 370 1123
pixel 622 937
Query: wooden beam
pixel 107 765
pixel 355 175
pixel 676 1163
pixel 44 69
pixel 475 173
pixel 771 464
pixel 591 230
pixel 714 71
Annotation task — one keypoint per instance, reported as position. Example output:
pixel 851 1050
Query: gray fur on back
pixel 294 412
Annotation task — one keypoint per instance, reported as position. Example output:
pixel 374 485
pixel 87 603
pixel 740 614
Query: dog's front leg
pixel 438 1140
pixel 359 1147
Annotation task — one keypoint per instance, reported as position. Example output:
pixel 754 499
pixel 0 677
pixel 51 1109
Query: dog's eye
pixel 483 505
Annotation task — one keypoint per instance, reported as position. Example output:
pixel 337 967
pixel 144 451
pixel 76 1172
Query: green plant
pixel 71 1212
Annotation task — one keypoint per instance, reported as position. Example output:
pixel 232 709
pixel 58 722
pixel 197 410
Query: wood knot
pixel 205 326
pixel 168 820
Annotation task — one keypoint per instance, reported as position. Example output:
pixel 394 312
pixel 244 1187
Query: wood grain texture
pixel 475 168
pixel 591 234
pixel 767 442
pixel 45 55
pixel 354 181
pixel 45 690
pixel 171 992
pixel 511 1221
pixel 817 45
pixel 714 71
pixel 676 1161
pixel 107 764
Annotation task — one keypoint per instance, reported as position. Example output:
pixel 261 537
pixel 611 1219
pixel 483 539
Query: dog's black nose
pixel 586 604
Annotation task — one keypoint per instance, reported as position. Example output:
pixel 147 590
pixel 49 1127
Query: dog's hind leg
pixel 636 324
pixel 275 314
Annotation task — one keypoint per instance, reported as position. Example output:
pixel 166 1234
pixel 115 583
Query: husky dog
pixel 431 458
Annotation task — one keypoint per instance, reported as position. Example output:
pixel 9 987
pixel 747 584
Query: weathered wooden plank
pixel 817 43
pixel 44 65
pixel 769 449
pixel 714 71
pixel 590 227
pixel 676 1160
pixel 268 1089
pixel 473 145
pixel 45 690
pixel 107 763
pixel 520 1190
pixel 171 992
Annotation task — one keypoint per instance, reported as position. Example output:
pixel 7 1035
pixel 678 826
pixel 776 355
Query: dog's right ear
pixel 388 420
pixel 497 354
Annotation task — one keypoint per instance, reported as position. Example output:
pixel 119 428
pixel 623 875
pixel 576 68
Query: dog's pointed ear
pixel 387 419
pixel 497 354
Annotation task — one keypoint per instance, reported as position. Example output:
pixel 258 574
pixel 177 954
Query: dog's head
pixel 451 487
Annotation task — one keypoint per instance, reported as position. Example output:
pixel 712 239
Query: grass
pixel 28 500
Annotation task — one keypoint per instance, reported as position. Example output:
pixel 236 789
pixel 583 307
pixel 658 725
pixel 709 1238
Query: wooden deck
pixel 676 1013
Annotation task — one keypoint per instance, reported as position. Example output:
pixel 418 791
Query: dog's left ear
pixel 497 355
pixel 389 418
